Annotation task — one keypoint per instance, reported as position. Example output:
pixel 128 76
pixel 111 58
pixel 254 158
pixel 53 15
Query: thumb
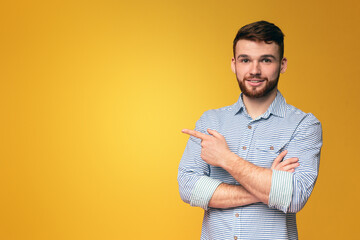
pixel 278 159
pixel 213 133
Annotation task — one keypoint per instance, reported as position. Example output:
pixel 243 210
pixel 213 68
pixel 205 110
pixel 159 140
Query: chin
pixel 264 91
pixel 259 93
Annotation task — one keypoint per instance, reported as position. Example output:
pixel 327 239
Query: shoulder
pixel 214 117
pixel 295 113
pixel 304 121
pixel 217 113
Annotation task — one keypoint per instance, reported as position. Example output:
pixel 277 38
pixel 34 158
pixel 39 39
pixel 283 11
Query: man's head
pixel 261 31
pixel 258 58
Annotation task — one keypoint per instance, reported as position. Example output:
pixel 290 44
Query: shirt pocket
pixel 266 150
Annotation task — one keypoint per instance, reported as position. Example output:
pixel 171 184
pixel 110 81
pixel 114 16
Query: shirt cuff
pixel 203 191
pixel 281 190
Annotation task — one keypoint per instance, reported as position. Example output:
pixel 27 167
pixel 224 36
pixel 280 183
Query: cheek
pixel 272 73
pixel 240 76
pixel 240 72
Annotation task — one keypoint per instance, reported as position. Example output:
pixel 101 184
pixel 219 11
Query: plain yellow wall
pixel 94 94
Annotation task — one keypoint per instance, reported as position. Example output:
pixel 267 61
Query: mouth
pixel 255 82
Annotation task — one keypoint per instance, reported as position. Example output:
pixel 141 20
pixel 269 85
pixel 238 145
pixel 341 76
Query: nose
pixel 255 68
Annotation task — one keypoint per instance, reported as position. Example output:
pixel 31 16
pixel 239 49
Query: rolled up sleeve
pixel 203 191
pixel 195 185
pixel 281 190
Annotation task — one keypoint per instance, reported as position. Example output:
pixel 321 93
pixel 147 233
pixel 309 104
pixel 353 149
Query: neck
pixel 258 106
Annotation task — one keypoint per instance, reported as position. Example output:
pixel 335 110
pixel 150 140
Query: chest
pixel 258 142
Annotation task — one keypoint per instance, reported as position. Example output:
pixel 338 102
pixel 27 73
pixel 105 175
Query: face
pixel 257 66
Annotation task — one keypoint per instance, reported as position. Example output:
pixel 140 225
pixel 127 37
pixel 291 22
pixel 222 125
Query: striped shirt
pixel 259 141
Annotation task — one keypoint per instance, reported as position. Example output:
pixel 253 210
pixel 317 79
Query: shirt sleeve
pixel 281 190
pixel 195 185
pixel 290 191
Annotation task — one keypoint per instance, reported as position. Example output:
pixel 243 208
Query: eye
pixel 244 60
pixel 266 60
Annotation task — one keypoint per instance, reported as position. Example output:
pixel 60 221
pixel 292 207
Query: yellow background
pixel 94 94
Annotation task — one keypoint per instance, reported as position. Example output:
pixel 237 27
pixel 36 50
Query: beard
pixel 253 92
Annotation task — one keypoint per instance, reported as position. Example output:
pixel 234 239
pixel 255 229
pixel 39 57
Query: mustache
pixel 256 78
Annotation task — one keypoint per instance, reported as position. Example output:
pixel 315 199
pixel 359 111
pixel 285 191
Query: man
pixel 234 164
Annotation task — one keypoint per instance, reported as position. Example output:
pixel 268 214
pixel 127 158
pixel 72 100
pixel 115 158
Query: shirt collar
pixel 277 107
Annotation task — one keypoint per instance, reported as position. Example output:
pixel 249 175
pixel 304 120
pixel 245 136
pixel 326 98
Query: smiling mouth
pixel 256 81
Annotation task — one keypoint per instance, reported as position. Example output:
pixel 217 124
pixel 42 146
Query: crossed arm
pixel 255 181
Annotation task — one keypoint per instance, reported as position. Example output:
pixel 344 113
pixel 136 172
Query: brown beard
pixel 252 93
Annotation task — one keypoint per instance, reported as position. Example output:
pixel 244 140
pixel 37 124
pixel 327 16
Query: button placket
pixel 237 224
pixel 249 133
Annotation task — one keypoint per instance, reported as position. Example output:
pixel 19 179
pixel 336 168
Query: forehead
pixel 256 48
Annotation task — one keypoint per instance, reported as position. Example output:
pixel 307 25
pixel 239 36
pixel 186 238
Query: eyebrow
pixel 268 56
pixel 262 56
pixel 242 56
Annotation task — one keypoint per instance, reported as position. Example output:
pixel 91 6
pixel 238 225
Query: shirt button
pixel 249 127
pixel 244 148
pixel 237 215
pixel 235 237
pixel 271 148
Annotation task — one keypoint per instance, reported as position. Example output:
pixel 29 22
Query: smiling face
pixel 257 66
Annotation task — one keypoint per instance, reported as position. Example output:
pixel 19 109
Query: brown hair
pixel 261 31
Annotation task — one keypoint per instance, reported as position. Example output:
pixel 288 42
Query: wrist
pixel 230 161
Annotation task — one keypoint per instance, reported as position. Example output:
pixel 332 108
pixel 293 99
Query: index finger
pixel 194 133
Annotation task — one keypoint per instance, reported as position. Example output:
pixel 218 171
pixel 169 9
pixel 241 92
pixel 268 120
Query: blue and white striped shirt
pixel 259 141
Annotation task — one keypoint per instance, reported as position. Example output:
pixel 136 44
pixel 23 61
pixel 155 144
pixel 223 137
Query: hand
pixel 214 149
pixel 288 165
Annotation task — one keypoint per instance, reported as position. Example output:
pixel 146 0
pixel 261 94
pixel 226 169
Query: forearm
pixel 228 196
pixel 256 180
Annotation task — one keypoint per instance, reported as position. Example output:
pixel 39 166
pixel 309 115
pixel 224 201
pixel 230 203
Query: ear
pixel 283 66
pixel 233 65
